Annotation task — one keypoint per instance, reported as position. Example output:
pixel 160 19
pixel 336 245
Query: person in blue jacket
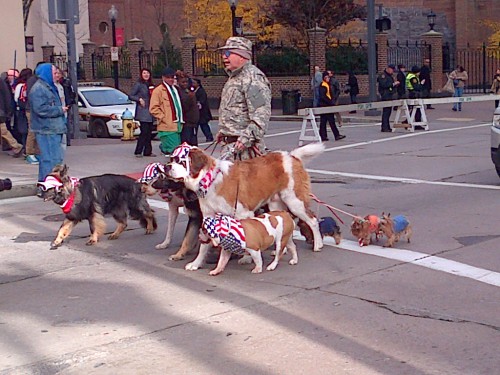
pixel 48 122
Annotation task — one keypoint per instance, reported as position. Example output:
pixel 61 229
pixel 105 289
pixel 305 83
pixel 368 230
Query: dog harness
pixel 228 230
pixel 207 181
pixel 400 223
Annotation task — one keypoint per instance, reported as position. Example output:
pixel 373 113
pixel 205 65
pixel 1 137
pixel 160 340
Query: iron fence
pixel 102 66
pixel 61 61
pixel 480 63
pixel 274 61
pixel 347 56
pixel 408 54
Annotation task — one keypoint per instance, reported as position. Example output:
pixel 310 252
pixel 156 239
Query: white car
pixel 100 109
pixel 495 140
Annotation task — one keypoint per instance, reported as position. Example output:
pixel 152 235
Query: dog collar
pixel 228 230
pixel 207 181
pixel 68 203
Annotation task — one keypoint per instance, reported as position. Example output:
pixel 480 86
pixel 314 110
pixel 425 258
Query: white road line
pixel 419 259
pixel 403 180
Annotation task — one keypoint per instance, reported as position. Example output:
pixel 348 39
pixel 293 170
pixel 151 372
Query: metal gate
pixel 480 63
pixel 408 54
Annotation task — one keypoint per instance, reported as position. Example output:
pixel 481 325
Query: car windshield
pixel 100 98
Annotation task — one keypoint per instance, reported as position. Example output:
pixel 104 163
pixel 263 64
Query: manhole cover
pixel 56 217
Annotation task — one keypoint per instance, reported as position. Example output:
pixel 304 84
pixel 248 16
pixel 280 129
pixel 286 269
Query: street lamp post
pixel 233 4
pixel 431 19
pixel 113 15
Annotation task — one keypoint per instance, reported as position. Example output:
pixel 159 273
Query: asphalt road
pixel 426 307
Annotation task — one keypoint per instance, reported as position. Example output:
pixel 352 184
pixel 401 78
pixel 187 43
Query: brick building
pixel 460 21
pixel 139 19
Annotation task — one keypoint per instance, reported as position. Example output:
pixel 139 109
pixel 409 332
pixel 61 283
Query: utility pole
pixel 372 57
pixel 71 13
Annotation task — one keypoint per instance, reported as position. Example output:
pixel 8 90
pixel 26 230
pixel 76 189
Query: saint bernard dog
pixel 238 188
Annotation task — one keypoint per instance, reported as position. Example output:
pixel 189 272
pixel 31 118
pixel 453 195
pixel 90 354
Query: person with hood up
pixel 48 120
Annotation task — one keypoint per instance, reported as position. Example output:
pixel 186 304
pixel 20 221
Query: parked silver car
pixel 495 140
pixel 100 109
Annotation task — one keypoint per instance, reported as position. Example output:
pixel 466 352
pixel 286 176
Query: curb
pixel 19 191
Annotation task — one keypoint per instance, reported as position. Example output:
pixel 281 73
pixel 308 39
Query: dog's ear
pixel 199 160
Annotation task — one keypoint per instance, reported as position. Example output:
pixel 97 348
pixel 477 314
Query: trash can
pixel 290 100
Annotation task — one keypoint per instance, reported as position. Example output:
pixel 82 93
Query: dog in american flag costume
pixel 155 180
pixel 250 236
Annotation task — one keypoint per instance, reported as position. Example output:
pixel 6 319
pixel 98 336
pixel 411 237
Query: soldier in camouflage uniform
pixel 245 107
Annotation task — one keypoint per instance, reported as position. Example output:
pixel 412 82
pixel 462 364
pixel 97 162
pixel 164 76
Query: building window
pixel 103 27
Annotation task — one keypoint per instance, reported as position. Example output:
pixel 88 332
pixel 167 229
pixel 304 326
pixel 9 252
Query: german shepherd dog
pixel 92 198
pixel 177 196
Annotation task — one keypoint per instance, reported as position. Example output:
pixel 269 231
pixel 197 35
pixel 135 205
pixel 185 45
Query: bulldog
pixel 250 236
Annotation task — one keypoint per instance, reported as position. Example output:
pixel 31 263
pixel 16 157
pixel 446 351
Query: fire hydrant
pixel 128 125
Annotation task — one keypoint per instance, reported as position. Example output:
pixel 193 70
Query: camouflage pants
pixel 228 152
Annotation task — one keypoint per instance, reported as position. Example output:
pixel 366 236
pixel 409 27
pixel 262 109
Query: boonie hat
pixel 238 45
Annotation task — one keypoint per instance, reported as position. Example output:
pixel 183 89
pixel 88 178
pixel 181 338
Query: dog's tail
pixel 308 152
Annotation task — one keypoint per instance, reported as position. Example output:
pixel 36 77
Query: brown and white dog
pixel 241 187
pixel 156 180
pixel 251 236
pixel 395 227
pixel 363 228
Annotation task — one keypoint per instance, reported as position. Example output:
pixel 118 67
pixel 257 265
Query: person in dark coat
pixel 353 89
pixel 386 89
pixel 205 113
pixel 141 94
pixel 190 109
pixel 401 77
pixel 425 78
pixel 327 99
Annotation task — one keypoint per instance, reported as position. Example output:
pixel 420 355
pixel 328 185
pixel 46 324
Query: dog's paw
pixel 257 270
pixel 150 231
pixel 176 257
pixel 162 245
pixel 191 267
pixel 90 242
pixel 245 259
pixel 214 272
pixel 54 246
pixel 293 262
pixel 272 266
pixel 112 237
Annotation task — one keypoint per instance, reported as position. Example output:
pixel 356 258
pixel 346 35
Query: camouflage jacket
pixel 245 107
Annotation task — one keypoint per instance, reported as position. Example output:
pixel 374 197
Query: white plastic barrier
pixel 407 109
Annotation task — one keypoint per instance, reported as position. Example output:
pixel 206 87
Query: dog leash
pixel 214 143
pixel 331 208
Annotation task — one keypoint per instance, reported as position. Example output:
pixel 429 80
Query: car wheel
pixel 99 129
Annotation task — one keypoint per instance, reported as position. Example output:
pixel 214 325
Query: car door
pixel 84 114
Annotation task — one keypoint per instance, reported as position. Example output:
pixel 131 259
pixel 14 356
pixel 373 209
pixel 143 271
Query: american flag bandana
pixel 151 172
pixel 181 153
pixel 206 182
pixel 229 231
